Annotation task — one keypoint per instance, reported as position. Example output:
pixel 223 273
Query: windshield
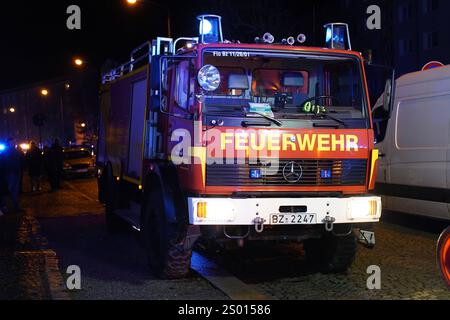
pixel 292 85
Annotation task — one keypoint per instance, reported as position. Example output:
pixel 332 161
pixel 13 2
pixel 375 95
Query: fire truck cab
pixel 231 142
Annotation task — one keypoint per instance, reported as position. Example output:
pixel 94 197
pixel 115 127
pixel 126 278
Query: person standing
pixel 50 167
pixel 13 161
pixel 57 164
pixel 3 185
pixel 34 164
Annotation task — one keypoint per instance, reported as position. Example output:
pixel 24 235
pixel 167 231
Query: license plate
pixel 293 218
pixel 82 171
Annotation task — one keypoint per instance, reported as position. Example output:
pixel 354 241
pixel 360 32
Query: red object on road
pixel 432 65
pixel 444 255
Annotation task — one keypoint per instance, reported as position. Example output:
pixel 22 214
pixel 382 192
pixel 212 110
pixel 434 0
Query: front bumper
pixel 243 212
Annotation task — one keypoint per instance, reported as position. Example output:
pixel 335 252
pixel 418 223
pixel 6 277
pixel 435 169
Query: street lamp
pixel 78 62
pixel 133 3
pixel 83 125
pixel 12 110
pixel 44 92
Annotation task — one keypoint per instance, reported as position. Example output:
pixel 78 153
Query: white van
pixel 414 143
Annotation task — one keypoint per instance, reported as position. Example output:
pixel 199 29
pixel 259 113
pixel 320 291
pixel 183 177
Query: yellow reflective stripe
pixel 375 156
pixel 200 153
pixel 132 180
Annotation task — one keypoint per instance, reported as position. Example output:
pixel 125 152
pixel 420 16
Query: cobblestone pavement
pixel 406 257
pixel 114 267
pixel 28 269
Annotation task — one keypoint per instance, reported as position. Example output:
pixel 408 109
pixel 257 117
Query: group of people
pixel 13 164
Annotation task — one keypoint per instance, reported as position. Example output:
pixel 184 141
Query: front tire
pixel 331 254
pixel 164 242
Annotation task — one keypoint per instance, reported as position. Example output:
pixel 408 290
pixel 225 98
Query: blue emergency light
pixel 2 147
pixel 326 174
pixel 255 174
pixel 210 28
pixel 337 36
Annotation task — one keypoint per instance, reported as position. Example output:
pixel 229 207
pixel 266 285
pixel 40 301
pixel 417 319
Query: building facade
pixel 422 33
pixel 67 106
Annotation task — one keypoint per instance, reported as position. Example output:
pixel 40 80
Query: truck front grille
pixel 349 172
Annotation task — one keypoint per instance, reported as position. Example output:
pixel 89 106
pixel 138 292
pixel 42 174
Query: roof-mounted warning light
pixel 210 28
pixel 338 36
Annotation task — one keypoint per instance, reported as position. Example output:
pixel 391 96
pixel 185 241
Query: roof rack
pixel 140 56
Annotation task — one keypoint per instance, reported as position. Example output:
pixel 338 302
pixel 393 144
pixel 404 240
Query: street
pixel 68 228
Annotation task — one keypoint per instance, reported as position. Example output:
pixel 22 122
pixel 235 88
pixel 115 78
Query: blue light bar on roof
pixel 210 28
pixel 337 36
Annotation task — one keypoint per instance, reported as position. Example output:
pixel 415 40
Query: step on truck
pixel 205 139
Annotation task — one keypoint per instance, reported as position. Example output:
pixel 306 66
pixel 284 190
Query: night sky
pixel 36 45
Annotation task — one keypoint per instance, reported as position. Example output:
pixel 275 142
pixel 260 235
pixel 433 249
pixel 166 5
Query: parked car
pixel 414 145
pixel 78 162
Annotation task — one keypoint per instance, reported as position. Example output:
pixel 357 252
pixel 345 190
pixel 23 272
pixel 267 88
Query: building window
pixel 405 47
pixel 430 40
pixel 430 5
pixel 404 12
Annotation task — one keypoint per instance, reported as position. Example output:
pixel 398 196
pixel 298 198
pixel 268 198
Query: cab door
pixel 180 113
pixel 381 83
pixel 383 122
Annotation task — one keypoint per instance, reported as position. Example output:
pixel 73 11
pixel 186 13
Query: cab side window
pixel 182 85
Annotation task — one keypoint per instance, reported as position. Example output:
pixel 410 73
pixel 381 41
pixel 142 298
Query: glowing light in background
pixel 25 146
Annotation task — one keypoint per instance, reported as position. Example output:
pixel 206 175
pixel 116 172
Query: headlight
pixel 214 212
pixel 209 78
pixel 364 208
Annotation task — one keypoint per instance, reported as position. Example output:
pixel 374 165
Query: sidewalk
pixel 28 267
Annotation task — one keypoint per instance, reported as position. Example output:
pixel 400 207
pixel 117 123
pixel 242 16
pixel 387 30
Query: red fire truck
pixel 205 138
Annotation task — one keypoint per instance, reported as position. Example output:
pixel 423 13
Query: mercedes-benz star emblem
pixel 292 172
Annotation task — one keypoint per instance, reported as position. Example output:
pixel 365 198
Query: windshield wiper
pixel 327 116
pixel 277 122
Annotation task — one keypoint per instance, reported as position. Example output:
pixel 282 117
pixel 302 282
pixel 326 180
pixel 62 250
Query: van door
pixel 418 159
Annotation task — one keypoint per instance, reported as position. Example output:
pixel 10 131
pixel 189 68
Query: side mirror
pixel 388 96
